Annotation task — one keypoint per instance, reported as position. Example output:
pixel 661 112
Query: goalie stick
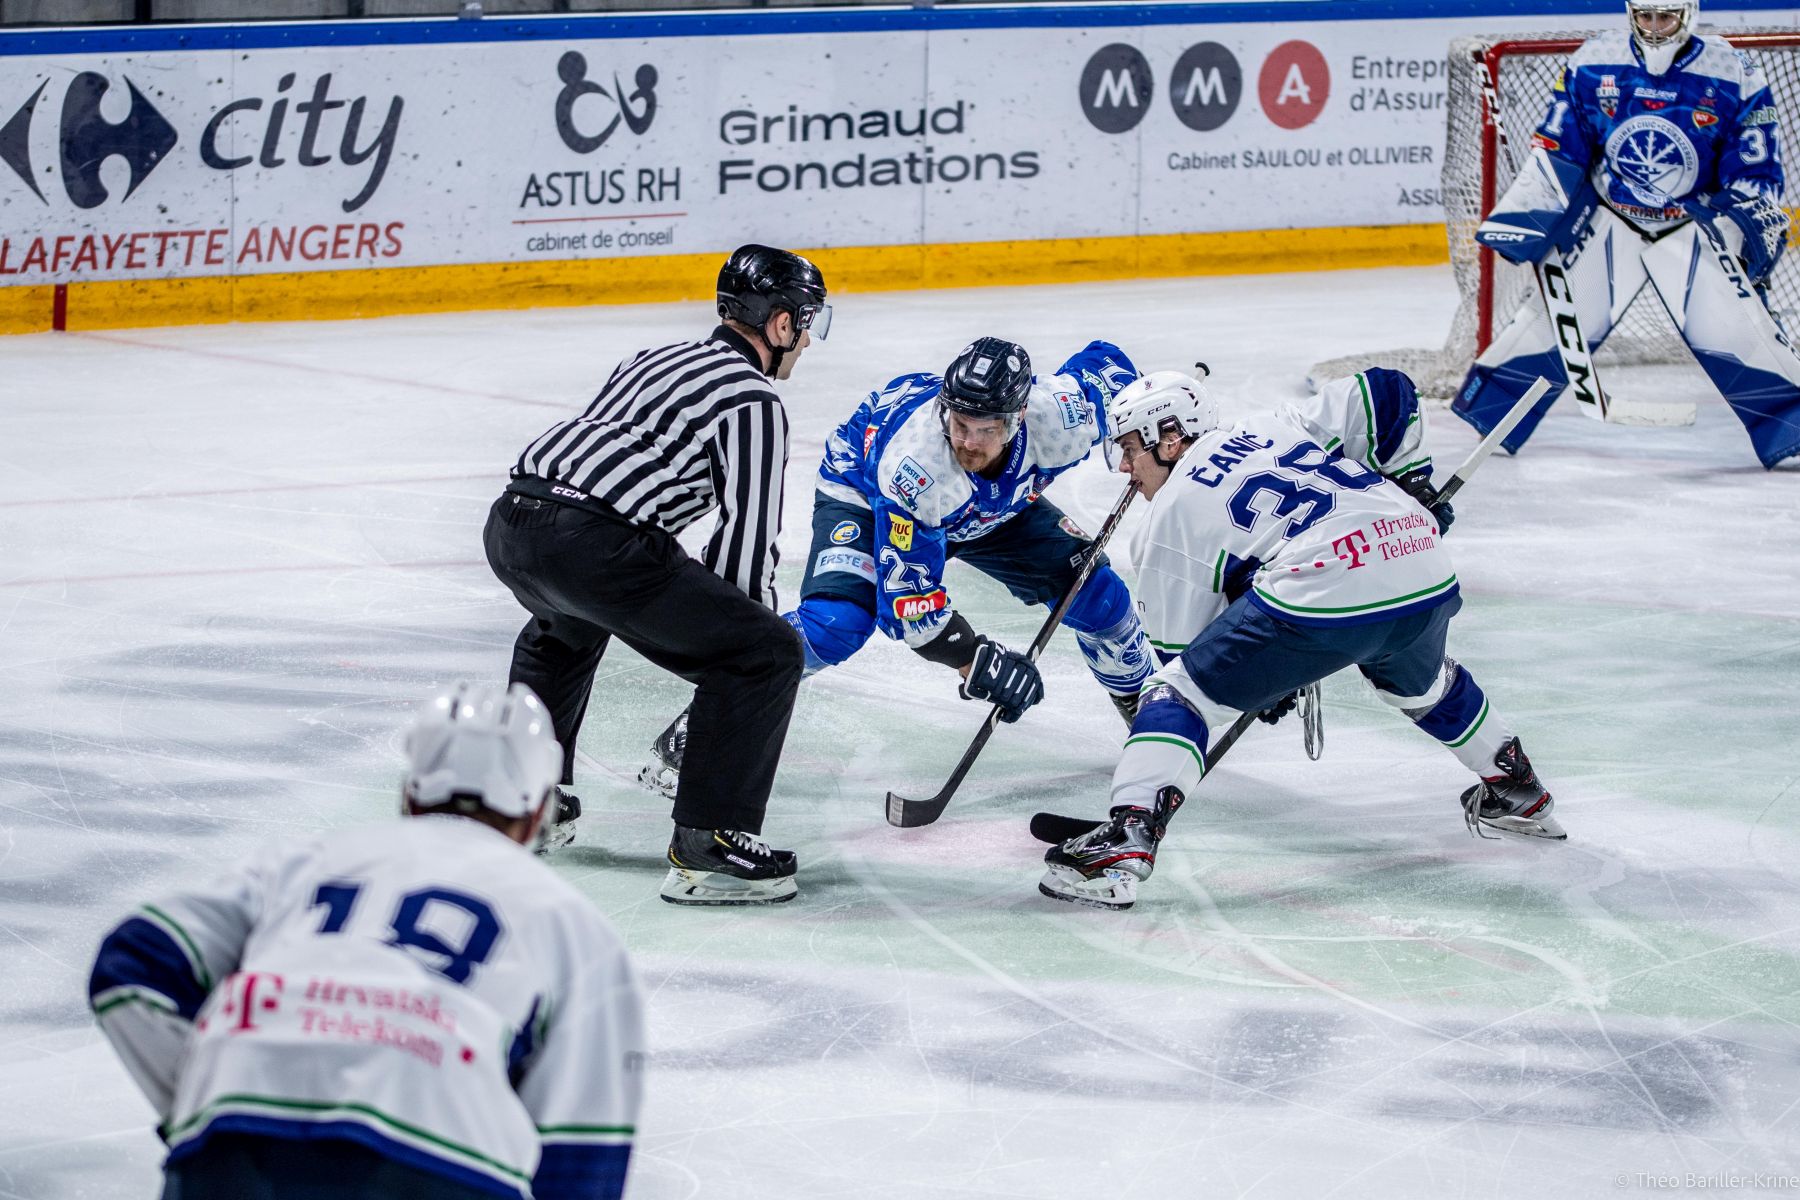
pixel 1056 828
pixel 908 813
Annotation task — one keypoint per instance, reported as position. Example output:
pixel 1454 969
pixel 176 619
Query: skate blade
pixel 715 889
pixel 658 778
pixel 1109 889
pixel 1543 829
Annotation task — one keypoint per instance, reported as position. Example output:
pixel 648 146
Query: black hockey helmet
pixel 990 378
pixel 758 281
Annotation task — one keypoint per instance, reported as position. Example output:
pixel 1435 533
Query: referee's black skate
pixel 1513 801
pixel 1102 867
pixel 726 866
pixel 559 822
pixel 663 773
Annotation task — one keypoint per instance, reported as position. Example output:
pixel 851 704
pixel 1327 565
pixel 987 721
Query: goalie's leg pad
pixel 1736 339
pixel 1604 273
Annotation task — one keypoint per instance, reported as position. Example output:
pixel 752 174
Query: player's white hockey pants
pixel 1724 321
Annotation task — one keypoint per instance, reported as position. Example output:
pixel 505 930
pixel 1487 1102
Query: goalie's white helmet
pixel 1161 401
pixel 1659 48
pixel 475 742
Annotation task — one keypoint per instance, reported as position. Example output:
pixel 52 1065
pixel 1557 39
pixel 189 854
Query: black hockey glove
pixel 1279 709
pixel 1004 677
pixel 1417 484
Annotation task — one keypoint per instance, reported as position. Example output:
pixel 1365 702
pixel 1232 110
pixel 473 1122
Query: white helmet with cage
pixel 1663 40
pixel 1162 402
pixel 474 745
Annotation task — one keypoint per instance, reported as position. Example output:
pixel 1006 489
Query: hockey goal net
pixel 1498 91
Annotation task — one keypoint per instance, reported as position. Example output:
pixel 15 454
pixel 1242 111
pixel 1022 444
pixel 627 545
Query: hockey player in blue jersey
pixel 929 469
pixel 1659 162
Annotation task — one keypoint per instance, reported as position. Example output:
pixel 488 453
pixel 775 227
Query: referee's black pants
pixel 586 578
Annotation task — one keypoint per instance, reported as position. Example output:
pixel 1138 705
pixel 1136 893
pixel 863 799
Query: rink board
pixel 334 169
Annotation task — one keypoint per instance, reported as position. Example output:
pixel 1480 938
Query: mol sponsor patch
pixel 916 606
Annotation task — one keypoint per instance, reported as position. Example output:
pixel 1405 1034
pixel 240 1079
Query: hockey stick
pixel 1056 829
pixel 908 813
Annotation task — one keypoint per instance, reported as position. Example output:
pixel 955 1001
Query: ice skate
pixel 663 773
pixel 1127 706
pixel 1513 801
pixel 726 866
pixel 559 822
pixel 1102 868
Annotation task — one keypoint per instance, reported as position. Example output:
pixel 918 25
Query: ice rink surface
pixel 233 558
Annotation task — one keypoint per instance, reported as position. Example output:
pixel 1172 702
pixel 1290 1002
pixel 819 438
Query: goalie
pixel 1659 162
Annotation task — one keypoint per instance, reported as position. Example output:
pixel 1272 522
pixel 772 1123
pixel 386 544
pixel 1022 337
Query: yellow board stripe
pixel 385 291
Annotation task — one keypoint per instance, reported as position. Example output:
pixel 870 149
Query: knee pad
pixel 830 629
pixel 1103 602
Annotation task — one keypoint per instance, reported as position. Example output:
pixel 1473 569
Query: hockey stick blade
pixel 1057 829
pixel 906 813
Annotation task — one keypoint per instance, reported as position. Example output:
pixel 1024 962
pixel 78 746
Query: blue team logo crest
pixel 1653 158
pixel 843 533
pixel 1608 95
pixel 910 480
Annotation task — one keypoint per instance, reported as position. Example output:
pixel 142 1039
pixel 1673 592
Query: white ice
pixel 232 558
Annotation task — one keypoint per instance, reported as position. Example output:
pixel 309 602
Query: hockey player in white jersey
pixel 1659 162
pixel 1273 555
pixel 415 1009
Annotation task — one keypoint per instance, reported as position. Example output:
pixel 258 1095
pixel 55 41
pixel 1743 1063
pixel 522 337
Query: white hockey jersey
pixel 427 989
pixel 1294 508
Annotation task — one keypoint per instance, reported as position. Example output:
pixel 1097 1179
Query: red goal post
pixel 1499 88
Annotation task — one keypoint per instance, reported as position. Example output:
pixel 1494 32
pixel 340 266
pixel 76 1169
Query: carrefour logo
pixel 87 140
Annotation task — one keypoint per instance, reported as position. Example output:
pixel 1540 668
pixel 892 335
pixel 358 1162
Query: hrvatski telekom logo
pixel 87 139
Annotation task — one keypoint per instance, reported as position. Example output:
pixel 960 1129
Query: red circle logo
pixel 1294 84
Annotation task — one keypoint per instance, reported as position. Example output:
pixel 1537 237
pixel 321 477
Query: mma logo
pixel 87 140
pixel 1115 88
pixel 636 109
pixel 1205 86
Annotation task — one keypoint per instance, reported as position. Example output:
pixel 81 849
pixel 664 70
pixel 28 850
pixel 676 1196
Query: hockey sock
pixel 1120 656
pixel 1167 747
pixel 1455 711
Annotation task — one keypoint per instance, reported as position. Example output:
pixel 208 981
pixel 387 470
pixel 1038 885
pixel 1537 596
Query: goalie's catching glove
pixel 1417 484
pixel 1004 677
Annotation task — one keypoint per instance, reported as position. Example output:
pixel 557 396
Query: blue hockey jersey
pixel 893 457
pixel 1649 141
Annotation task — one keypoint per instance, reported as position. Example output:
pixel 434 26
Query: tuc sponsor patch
pixel 843 533
pixel 916 607
pixel 900 532
pixel 910 480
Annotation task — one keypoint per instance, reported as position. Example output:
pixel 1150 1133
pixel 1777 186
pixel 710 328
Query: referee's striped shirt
pixel 676 431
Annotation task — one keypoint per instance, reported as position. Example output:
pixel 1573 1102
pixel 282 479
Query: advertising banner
pixel 276 149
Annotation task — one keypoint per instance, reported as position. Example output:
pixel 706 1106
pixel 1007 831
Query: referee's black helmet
pixel 758 281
